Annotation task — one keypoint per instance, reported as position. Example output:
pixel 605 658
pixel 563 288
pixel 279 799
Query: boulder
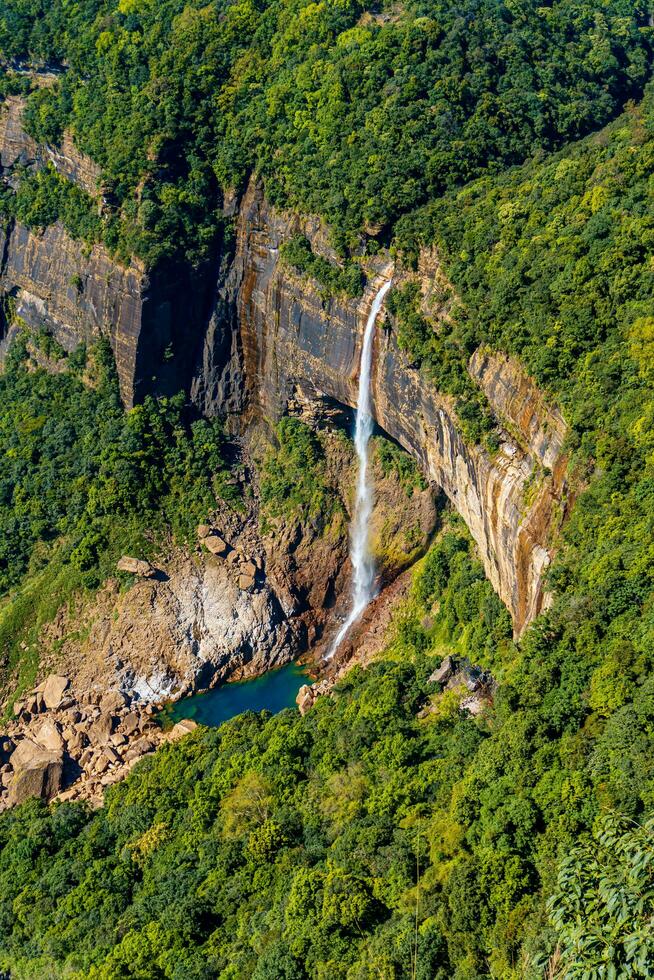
pixel 68 794
pixel 37 772
pixel 111 702
pixel 142 747
pixel 443 673
pixel 49 736
pixel 101 729
pixel 249 568
pixel 474 678
pixel 215 544
pixel 27 705
pixel 130 723
pixel 203 531
pixel 245 582
pixel 53 690
pixel 76 743
pixel 181 729
pixel 101 764
pixel 305 698
pixel 135 566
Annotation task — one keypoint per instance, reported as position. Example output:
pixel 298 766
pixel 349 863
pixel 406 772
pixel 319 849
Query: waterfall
pixel 363 568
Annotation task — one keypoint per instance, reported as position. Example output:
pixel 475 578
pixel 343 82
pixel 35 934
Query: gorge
pixel 261 340
pixel 233 235
pixel 270 337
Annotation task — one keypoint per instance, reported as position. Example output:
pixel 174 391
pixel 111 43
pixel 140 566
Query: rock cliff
pixel 248 337
pixel 289 342
pixel 152 319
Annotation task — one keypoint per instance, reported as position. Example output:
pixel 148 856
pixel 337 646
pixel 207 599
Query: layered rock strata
pixel 77 293
pixel 250 337
pixel 292 339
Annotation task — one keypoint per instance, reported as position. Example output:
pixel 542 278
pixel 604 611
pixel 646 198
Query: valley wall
pixel 290 345
pixel 80 293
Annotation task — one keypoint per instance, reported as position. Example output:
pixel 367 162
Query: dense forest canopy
pixel 354 113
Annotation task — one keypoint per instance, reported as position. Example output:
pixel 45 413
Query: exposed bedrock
pixel 288 341
pixel 153 319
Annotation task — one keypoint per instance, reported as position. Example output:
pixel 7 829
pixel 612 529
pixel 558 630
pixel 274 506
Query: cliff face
pixel 77 293
pixel 16 147
pixel 288 343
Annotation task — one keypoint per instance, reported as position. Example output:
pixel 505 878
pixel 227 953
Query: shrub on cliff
pixel 294 482
pixel 332 279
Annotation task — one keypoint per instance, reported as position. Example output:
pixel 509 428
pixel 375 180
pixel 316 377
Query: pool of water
pixel 273 691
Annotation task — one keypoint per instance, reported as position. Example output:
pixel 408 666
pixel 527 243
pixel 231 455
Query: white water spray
pixel 363 568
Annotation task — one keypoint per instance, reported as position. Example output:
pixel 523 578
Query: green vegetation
pixel 272 847
pixel 333 279
pixel 310 847
pixel 81 482
pixel 463 612
pixel 604 903
pixel 294 482
pixel 499 803
pixel 45 197
pixel 444 363
pixel 359 116
pixel 394 461
pixel 11 83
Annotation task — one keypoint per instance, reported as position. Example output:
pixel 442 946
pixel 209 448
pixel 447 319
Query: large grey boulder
pixel 37 772
pixel 49 736
pixel 136 566
pixel 443 673
pixel 215 544
pixel 182 728
pixel 101 729
pixel 53 690
pixel 112 701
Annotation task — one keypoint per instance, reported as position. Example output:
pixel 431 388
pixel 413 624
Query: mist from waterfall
pixel 363 566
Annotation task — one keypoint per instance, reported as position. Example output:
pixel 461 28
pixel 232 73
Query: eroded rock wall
pixel 153 319
pixel 292 340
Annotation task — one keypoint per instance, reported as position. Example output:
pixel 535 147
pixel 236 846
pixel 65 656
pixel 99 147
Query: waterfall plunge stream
pixel 363 568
